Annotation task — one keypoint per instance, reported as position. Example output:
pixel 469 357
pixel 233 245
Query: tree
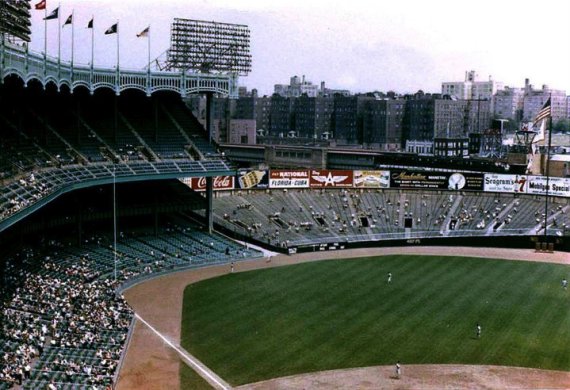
pixel 561 125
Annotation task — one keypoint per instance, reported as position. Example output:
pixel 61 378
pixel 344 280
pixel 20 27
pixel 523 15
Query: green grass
pixel 342 313
pixel 190 380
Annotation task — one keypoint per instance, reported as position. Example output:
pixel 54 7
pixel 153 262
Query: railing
pixel 73 177
pixel 18 60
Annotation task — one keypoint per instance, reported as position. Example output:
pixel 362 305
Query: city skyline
pixel 357 46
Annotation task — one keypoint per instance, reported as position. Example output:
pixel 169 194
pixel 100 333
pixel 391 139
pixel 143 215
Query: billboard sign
pixel 221 183
pixel 557 186
pixel 504 183
pixel 324 178
pixel 436 180
pixel 251 179
pixel 289 179
pixel 372 179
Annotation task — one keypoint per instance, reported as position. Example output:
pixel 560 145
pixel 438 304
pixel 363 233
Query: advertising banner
pixel 557 186
pixel 251 179
pixel 436 180
pixel 288 179
pixel 325 178
pixel 405 179
pixel 220 183
pixel 372 179
pixel 504 183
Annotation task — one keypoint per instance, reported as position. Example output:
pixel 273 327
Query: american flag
pixel 544 112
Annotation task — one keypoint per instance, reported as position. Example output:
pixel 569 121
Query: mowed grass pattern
pixel 334 314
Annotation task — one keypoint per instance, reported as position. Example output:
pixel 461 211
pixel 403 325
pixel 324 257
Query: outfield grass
pixel 189 379
pixel 334 314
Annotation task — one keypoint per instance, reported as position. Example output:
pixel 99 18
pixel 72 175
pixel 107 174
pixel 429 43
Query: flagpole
pixel 92 40
pixel 72 38
pixel 118 61
pixel 45 41
pixel 548 170
pixel 114 222
pixel 58 42
pixel 92 49
pixel 148 80
pixel 149 49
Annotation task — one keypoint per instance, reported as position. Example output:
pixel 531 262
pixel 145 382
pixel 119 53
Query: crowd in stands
pixel 63 324
pixel 289 217
pixel 34 190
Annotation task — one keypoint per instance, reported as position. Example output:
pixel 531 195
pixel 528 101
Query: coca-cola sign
pixel 220 183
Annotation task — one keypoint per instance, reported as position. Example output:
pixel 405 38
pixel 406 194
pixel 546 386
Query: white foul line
pixel 195 363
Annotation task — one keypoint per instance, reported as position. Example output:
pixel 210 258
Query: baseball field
pixel 261 324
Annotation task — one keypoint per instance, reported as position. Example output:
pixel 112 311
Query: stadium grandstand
pixel 62 320
pixel 105 184
pixel 54 141
pixel 90 203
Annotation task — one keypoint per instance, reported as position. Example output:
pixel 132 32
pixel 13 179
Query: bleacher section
pixel 61 320
pixel 287 218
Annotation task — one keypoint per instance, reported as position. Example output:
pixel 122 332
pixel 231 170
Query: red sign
pixel 220 183
pixel 331 179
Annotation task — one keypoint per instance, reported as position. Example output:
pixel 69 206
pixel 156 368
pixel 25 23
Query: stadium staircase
pixel 69 149
pixel 145 148
pixel 181 115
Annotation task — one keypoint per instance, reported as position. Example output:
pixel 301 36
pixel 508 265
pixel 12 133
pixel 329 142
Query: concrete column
pixel 209 114
pixel 209 204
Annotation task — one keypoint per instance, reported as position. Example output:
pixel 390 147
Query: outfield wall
pixel 397 179
pixel 520 242
pixel 387 179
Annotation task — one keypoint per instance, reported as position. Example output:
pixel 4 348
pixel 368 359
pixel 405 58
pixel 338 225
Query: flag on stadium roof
pixel 41 5
pixel 90 24
pixel 54 14
pixel 113 29
pixel 69 20
pixel 144 33
pixel 544 112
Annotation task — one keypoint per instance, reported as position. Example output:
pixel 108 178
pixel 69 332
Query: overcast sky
pixel 358 45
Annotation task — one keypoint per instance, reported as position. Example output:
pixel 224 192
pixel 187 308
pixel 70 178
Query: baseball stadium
pixel 139 253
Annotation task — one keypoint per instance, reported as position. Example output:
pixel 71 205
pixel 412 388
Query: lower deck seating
pixel 62 321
